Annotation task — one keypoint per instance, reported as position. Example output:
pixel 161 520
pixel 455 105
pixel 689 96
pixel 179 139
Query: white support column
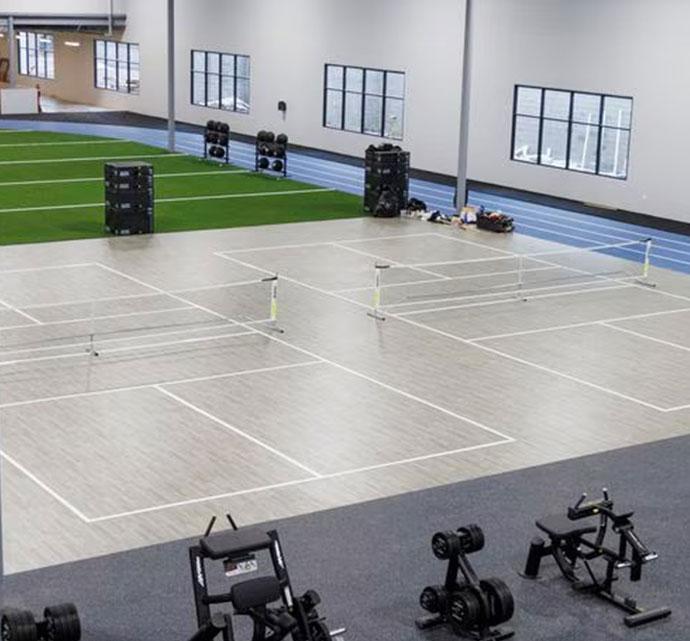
pixel 12 52
pixel 171 75
pixel 465 108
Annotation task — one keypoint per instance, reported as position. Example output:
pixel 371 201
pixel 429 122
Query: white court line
pixel 277 486
pixel 323 243
pixel 52 160
pixel 237 431
pixel 428 272
pixel 22 270
pixel 182 199
pixel 99 179
pixel 462 340
pixel 661 341
pixel 20 312
pixel 101 341
pixel 513 300
pixel 45 487
pixel 439 280
pixel 130 388
pixel 69 142
pixel 361 375
pixel 556 328
pixel 241 283
pixel 116 350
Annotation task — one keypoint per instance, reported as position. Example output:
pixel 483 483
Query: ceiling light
pixel 72 43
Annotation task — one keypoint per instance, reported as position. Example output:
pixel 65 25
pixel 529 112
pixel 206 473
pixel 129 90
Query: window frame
pixel 599 126
pixel 24 56
pixel 118 62
pixel 344 92
pixel 235 77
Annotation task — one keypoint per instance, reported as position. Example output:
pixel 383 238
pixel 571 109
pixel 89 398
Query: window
pixel 36 54
pixel 365 101
pixel 116 66
pixel 580 131
pixel 220 81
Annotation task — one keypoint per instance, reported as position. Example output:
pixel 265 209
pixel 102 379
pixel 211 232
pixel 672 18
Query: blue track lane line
pixel 540 221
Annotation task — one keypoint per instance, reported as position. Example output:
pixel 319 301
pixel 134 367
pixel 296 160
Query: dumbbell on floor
pixel 60 623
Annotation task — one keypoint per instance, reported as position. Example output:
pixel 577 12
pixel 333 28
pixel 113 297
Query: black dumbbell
pixel 263 163
pixel 282 139
pixel 60 623
pixel 224 127
pixel 277 165
pixel 269 136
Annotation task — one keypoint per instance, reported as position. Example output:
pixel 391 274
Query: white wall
pixel 55 6
pixel 628 47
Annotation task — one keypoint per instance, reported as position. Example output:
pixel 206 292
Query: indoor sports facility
pixel 350 321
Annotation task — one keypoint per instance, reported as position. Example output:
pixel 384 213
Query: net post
pixel 273 310
pixel 378 279
pixel 644 279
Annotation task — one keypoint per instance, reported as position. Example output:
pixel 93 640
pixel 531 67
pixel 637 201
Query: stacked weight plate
pixel 129 198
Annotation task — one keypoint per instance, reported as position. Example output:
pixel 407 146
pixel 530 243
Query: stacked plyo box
pixel 129 198
pixel 387 173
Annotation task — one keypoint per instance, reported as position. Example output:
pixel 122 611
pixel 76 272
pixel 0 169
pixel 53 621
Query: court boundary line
pixel 278 486
pixel 232 428
pixel 45 161
pixel 59 143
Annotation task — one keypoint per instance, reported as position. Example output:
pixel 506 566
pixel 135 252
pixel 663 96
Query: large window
pixel 117 66
pixel 584 132
pixel 36 54
pixel 220 81
pixel 366 101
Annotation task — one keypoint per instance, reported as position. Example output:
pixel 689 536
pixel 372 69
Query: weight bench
pixel 234 543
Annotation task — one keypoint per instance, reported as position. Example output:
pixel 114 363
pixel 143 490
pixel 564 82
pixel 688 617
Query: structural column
pixel 463 154
pixel 12 52
pixel 171 75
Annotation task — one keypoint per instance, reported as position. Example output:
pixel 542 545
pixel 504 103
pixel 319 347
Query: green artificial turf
pixel 62 199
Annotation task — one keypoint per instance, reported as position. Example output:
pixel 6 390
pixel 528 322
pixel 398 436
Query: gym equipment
pixel 414 204
pixel 471 606
pixel 60 623
pixel 571 549
pixel 268 145
pixel 129 198
pixel 388 205
pixel 386 168
pixel 268 601
pixel 217 140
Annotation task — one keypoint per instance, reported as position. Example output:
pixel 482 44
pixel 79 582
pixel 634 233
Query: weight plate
pixel 445 545
pixel 62 623
pixel 18 625
pixel 433 599
pixel 471 538
pixel 501 602
pixel 465 609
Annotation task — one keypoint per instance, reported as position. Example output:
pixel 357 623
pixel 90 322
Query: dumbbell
pixel 269 136
pixel 277 165
pixel 282 139
pixel 217 152
pixel 224 127
pixel 264 163
pixel 60 623
pixel 222 139
pixel 434 599
pixel 467 539
pixel 211 137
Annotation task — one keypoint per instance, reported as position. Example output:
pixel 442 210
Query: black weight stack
pixel 387 171
pixel 128 198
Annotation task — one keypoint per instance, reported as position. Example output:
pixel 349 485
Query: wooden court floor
pixel 142 390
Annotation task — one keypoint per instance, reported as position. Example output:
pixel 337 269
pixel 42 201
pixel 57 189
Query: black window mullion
pixel 234 84
pixel 364 99
pixel 600 130
pixel 568 145
pixel 541 127
pixel 383 104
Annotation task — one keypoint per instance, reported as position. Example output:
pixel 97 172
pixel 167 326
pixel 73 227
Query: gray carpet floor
pixel 371 560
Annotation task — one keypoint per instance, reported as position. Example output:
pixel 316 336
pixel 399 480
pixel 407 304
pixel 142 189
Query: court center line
pixel 278 486
pixel 22 270
pixel 661 341
pixel 237 431
pixel 182 199
pixel 47 489
pixel 130 388
pixel 21 313
pixel 464 341
pixel 361 375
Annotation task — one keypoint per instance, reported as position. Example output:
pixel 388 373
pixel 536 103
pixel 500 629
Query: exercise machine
pixel 470 606
pixel 572 548
pixel 268 601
